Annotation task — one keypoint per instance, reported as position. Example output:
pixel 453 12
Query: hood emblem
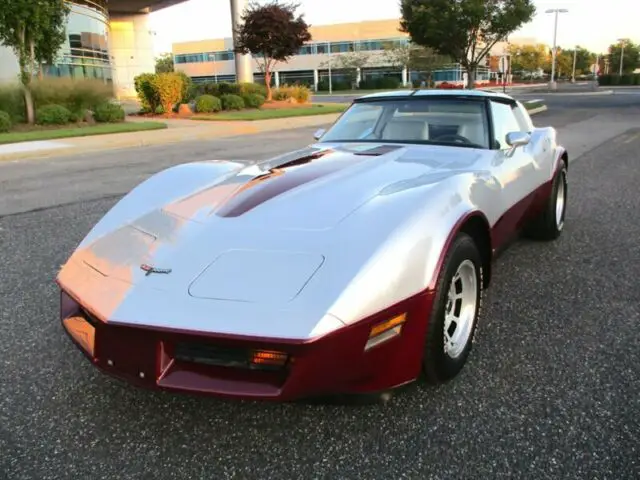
pixel 150 269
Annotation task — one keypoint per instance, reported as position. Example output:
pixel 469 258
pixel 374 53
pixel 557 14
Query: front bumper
pixel 336 363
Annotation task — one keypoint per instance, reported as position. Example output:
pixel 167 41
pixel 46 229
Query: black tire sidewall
pixel 437 365
pixel 561 177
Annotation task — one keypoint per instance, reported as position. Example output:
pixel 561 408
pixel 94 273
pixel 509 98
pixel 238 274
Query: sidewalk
pixel 177 131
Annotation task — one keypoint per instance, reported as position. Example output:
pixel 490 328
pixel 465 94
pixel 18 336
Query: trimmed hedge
pixel 53 115
pixel 380 83
pixel 5 122
pixel 109 113
pixel 626 80
pixel 232 102
pixel 208 104
pixel 253 100
pixel 336 85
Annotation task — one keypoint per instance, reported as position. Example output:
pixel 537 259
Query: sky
pixel 592 24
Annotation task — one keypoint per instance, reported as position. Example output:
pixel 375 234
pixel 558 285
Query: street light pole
pixel 622 44
pixel 330 81
pixel 555 11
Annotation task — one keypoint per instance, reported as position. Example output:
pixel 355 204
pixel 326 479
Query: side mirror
pixel 518 139
pixel 319 133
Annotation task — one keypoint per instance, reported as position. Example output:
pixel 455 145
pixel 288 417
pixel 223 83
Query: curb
pixel 535 111
pixel 207 132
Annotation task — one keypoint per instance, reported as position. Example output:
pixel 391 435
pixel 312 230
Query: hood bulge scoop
pixel 256 276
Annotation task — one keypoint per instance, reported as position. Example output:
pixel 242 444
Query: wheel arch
pixel 476 225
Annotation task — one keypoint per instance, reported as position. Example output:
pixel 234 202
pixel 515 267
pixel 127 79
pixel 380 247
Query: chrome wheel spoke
pixel 460 309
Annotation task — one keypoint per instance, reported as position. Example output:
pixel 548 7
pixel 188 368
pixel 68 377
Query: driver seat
pixel 406 130
pixel 475 132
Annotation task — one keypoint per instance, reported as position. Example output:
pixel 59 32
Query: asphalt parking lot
pixel 552 389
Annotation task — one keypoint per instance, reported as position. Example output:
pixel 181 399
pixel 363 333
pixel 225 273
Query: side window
pixel 526 125
pixel 504 121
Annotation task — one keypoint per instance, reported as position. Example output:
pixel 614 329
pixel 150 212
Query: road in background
pixel 565 91
pixel 551 390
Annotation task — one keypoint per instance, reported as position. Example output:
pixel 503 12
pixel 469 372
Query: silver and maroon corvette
pixel 355 265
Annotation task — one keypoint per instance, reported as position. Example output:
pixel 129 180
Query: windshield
pixel 422 120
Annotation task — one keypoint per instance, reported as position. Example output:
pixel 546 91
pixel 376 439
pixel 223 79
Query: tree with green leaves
pixel 272 33
pixel 584 59
pixel 529 58
pixel 465 30
pixel 423 60
pixel 348 62
pixel 35 30
pixel 631 58
pixel 164 63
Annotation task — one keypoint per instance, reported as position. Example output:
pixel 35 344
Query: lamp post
pixel 555 11
pixel 622 45
pixel 330 81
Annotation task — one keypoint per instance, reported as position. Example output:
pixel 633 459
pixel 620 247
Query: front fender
pixel 158 190
pixel 407 260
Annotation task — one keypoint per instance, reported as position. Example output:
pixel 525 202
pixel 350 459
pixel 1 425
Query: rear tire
pixel 550 223
pixel 456 310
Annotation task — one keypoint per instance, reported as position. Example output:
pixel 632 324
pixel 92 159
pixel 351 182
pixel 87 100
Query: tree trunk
pixel 267 82
pixel 28 101
pixel 429 79
pixel 471 76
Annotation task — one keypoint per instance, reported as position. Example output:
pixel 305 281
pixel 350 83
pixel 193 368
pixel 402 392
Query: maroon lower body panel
pixel 207 363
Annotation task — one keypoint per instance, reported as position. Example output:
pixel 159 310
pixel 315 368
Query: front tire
pixel 550 223
pixel 454 317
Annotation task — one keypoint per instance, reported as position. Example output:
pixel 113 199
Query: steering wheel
pixel 453 138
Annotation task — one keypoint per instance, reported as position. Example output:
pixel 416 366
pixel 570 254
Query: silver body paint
pixel 308 261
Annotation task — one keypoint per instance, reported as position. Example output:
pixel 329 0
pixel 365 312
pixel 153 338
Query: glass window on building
pixel 86 43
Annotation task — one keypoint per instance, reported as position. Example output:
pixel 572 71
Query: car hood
pixel 260 233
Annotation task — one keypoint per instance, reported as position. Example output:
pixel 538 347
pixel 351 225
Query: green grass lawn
pixel 27 135
pixel 338 93
pixel 269 114
pixel 533 105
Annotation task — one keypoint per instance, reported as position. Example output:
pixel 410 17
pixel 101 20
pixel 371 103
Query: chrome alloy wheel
pixel 560 202
pixel 460 311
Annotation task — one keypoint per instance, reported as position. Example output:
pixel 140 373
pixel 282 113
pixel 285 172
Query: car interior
pixel 458 123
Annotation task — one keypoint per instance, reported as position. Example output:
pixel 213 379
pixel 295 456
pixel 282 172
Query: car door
pixel 514 169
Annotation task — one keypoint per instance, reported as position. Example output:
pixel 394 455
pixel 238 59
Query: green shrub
pixel 208 88
pixel 390 83
pixel 615 79
pixel 208 104
pixel 169 88
pixel 336 85
pixel 109 113
pixel 299 93
pixel 5 122
pixel 226 88
pixel 53 115
pixel 12 102
pixel 232 102
pixel 76 95
pixel 253 100
pixel 248 88
pixel 188 91
pixel 147 93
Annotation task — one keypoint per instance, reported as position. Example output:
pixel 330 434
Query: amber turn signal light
pixel 386 330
